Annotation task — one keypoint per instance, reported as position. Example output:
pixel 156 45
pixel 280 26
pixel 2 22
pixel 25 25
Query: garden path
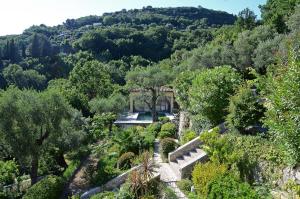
pixel 166 173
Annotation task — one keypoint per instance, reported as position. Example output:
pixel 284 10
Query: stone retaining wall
pixel 184 149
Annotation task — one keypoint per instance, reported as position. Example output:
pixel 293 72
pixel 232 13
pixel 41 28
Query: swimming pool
pixel 148 116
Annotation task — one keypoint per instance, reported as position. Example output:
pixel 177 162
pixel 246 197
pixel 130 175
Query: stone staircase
pixel 183 159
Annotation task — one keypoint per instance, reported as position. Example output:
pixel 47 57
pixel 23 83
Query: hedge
pixel 167 145
pixel 49 187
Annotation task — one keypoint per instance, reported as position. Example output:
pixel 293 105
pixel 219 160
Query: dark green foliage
pixel 9 171
pixel 106 170
pixel 150 81
pixel 153 128
pixel 163 120
pixel 245 153
pixel 91 79
pixel 167 130
pixel 125 160
pixel 115 103
pixel 283 106
pixel 276 13
pixel 246 19
pixel 40 46
pixel 187 136
pixel 71 169
pixel 167 145
pixel 49 187
pixel 245 110
pixel 15 75
pixel 185 185
pixel 134 139
pixel 210 93
pixel 227 187
pixel 29 120
pixel 182 85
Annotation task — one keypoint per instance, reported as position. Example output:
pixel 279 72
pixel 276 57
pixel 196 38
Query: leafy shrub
pixel 167 145
pixel 167 130
pixel 8 172
pixel 228 187
pixel 282 116
pixel 165 134
pixel 170 127
pixel 185 185
pixel 203 174
pixel 125 161
pixel 104 195
pixel 245 110
pixel 207 100
pixel 106 170
pixel 169 193
pixel 188 136
pixel 164 120
pixel 48 188
pixel 219 149
pixel 154 128
pixel 71 169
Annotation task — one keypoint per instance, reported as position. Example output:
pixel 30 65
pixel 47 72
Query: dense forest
pixel 63 87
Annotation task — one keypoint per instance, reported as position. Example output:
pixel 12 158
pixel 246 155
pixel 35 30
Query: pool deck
pixel 132 118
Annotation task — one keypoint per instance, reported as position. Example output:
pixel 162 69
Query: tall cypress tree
pixel 35 46
pixel 13 51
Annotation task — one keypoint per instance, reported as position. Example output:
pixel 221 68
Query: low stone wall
pixel 113 183
pixel 184 149
pixel 110 185
pixel 186 170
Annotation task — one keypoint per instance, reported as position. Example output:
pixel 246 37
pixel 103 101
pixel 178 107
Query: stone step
pixel 189 157
pixel 176 169
pixel 187 161
pixel 200 154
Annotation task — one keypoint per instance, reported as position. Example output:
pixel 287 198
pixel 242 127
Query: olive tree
pixel 30 122
pixel 149 81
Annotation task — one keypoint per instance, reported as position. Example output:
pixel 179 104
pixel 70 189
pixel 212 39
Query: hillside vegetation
pixel 63 87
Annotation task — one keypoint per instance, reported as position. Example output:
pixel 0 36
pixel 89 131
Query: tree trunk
pixel 153 106
pixel 34 169
pixel 60 159
pixel 110 128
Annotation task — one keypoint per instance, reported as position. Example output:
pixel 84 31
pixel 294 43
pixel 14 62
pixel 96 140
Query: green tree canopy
pixel 210 91
pixel 283 106
pixel 15 75
pixel 91 79
pixel 245 109
pixel 150 82
pixel 246 19
pixel 30 122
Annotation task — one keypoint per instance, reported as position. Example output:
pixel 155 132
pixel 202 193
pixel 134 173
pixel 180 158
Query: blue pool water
pixel 148 116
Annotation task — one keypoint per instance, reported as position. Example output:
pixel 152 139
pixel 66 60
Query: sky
pixel 17 15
